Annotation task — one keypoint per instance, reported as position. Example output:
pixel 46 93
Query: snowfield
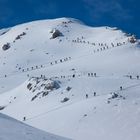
pixel 11 129
pixel 72 80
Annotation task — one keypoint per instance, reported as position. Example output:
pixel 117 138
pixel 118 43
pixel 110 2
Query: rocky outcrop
pixel 6 46
pixel 55 33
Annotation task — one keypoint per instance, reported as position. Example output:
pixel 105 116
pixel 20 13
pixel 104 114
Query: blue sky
pixel 124 14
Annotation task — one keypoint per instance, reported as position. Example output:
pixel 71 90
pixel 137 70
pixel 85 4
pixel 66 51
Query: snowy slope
pixel 70 85
pixel 11 129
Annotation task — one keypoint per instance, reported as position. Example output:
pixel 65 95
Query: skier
pixel 108 102
pixel 86 95
pixel 24 118
pixel 94 93
pixel 73 75
pixel 95 75
pixel 137 76
pixel 112 44
pixel 121 88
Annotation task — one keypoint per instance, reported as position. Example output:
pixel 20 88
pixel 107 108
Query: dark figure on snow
pixel 24 118
pixel 137 76
pixel 94 93
pixel 112 44
pixel 73 75
pixel 95 75
pixel 86 95
pixel 108 102
pixel 121 88
pixel 130 76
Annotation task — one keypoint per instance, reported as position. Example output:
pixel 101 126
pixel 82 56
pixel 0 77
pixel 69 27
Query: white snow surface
pixel 11 129
pixel 70 85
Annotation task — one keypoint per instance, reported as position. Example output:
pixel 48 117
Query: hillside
pixel 11 129
pixel 70 79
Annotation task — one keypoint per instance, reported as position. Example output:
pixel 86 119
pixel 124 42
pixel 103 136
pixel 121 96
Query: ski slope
pixel 82 84
pixel 11 129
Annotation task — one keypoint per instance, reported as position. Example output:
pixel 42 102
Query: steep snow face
pixel 11 129
pixel 81 82
pixel 29 46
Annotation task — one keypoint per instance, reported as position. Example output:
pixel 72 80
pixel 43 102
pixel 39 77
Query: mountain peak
pixel 71 79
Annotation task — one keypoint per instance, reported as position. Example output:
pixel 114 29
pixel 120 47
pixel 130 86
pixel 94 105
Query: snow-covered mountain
pixel 70 79
pixel 11 129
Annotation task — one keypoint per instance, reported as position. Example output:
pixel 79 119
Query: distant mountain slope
pixel 70 79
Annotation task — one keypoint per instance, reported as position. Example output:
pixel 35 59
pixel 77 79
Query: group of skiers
pixel 60 61
pixel 78 40
pixel 94 93
pixel 92 74
pixel 137 77
pixel 41 66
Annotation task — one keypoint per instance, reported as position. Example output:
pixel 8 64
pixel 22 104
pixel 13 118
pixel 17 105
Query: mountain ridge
pixel 70 79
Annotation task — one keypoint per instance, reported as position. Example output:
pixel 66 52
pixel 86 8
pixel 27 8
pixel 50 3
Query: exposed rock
pixel 113 95
pixel 65 100
pixel 55 33
pixel 19 36
pixel 41 86
pixel 6 46
pixel 29 85
pixel 132 39
pixel 2 107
